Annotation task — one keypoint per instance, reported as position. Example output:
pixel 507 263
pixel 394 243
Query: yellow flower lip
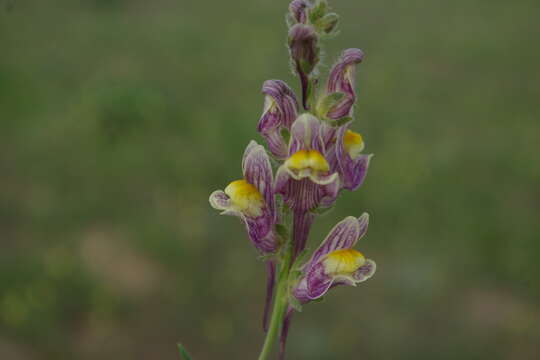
pixel 307 160
pixel 245 198
pixel 353 143
pixel 343 262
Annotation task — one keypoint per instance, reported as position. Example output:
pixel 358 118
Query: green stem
pixel 280 305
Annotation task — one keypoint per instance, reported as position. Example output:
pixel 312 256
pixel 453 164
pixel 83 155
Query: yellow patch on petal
pixel 343 262
pixel 353 143
pixel 307 160
pixel 245 198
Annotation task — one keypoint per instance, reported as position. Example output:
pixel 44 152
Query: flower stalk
pixel 280 303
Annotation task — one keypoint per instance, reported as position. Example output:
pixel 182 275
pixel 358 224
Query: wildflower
pixel 252 198
pixel 335 262
pixel 353 165
pixel 341 79
pixel 305 179
pixel 280 110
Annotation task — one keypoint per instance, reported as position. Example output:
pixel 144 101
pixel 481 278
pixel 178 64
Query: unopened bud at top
pixel 299 10
pixel 303 48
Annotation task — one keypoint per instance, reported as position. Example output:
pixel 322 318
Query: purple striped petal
pixel 328 134
pixel 280 110
pixel 343 236
pixel 276 144
pixel 249 149
pixel 304 194
pixel 305 134
pixel 318 282
pixel 280 100
pixel 329 193
pixel 301 227
pixel 261 233
pixel 337 80
pixel 281 182
pixel 343 108
pixel 365 271
pixel 300 291
pixel 299 10
pixel 299 195
pixel 353 171
pixel 257 171
pixel 342 79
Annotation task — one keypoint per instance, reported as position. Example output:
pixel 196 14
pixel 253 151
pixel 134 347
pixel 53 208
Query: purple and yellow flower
pixel 342 79
pixel 305 179
pixel 352 164
pixel 252 199
pixel 280 110
pixel 336 262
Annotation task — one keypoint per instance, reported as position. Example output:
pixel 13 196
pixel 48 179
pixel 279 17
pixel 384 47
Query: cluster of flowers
pixel 316 156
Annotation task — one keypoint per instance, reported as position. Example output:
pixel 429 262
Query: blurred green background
pixel 118 118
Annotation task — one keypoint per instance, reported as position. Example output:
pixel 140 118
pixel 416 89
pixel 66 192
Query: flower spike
pixel 315 155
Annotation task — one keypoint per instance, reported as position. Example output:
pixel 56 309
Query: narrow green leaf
pixel 184 353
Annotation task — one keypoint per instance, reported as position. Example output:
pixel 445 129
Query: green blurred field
pixel 118 118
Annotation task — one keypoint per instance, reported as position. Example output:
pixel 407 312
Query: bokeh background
pixel 118 118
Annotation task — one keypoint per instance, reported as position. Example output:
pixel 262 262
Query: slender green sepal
pixel 328 23
pixel 183 352
pixel 318 11
pixel 327 103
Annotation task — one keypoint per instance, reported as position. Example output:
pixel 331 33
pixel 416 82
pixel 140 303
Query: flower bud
pixel 318 11
pixel 299 10
pixel 328 23
pixel 303 48
pixel 304 53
